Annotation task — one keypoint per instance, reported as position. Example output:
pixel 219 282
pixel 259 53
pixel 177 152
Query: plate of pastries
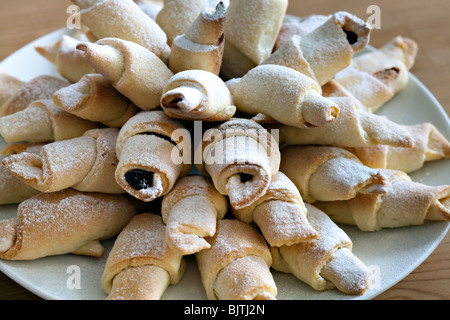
pixel 217 150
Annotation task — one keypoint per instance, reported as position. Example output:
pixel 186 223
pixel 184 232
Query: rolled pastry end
pixel 49 51
pixel 107 60
pixel 197 95
pixel 208 29
pixel 146 282
pixel 283 223
pixel 347 272
pixel 439 210
pixel 144 184
pixel 247 278
pixel 191 220
pixel 8 234
pixel 182 99
pixel 376 185
pixel 147 169
pixel 247 185
pixel 32 125
pixel 388 77
pixel 438 146
pixel 356 30
pixel 336 180
pixel 94 98
pixel 317 110
pixel 29 168
pixel 92 248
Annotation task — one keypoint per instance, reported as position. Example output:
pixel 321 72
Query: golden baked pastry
pixel 197 95
pixel 326 50
pixel 153 153
pixel 398 53
pixel 280 214
pixel 326 262
pixel 9 85
pixel 352 128
pixel 12 189
pixel 69 61
pixel 253 26
pixel 123 19
pixel 201 46
pixel 141 265
pixel 190 211
pixel 298 26
pixel 369 91
pixel 241 157
pixel 94 98
pixel 176 16
pixel 63 222
pixel 133 70
pixel 429 145
pixel 406 203
pixel 236 267
pixel 42 121
pixel 87 163
pixel 267 87
pixel 328 173
pixel 18 95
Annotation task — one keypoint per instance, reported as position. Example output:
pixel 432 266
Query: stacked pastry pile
pixel 290 147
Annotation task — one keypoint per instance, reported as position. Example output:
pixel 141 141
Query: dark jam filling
pixel 245 177
pixel 162 136
pixel 352 37
pixel 139 179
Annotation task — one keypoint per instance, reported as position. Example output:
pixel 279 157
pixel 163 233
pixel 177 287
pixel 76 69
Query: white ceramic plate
pixel 391 254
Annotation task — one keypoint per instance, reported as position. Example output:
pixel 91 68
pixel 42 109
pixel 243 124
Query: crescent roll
pixel 406 203
pixel 253 26
pixel 63 222
pixel 154 150
pixel 326 50
pixel 201 46
pixel 236 267
pixel 123 19
pixel 12 189
pixel 141 265
pixel 9 85
pixel 20 96
pixel 197 95
pixel 298 27
pixel 87 163
pixel 324 263
pixel 94 98
pixel 429 145
pixel 42 121
pixel 190 211
pixel 280 214
pixel 69 61
pixel 283 94
pixel 133 70
pixel 352 128
pixel 327 173
pixel 369 91
pixel 177 15
pixel 398 53
pixel 241 157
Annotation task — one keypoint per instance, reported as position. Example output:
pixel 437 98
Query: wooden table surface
pixel 22 21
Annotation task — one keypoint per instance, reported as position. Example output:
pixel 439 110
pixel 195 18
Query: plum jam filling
pixel 139 179
pixel 245 177
pixel 352 37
